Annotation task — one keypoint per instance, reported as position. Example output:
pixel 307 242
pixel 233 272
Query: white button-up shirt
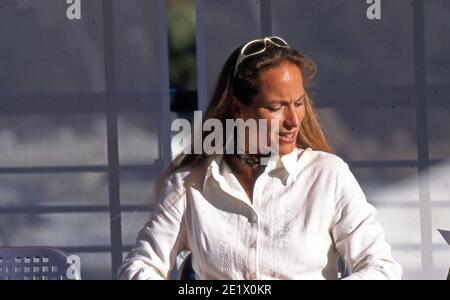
pixel 307 210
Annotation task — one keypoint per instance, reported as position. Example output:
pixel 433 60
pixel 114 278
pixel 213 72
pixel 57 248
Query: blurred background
pixel 86 107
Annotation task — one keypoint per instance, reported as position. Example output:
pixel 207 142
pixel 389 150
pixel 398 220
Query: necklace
pixel 252 160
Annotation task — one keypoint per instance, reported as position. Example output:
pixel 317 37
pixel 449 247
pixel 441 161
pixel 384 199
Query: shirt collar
pixel 288 162
pixel 224 176
pixel 212 167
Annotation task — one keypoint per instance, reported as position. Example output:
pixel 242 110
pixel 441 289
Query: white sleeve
pixel 357 235
pixel 161 239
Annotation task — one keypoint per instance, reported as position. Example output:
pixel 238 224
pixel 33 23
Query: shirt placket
pixel 254 272
pixel 253 250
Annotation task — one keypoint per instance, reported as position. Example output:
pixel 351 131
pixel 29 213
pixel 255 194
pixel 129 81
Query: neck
pixel 244 165
pixel 244 173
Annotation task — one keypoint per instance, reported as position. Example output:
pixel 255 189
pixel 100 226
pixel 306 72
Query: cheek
pixel 250 113
pixel 268 115
pixel 301 114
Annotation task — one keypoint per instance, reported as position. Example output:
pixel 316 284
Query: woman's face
pixel 281 99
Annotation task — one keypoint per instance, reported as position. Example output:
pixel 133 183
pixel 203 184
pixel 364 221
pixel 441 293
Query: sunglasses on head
pixel 256 47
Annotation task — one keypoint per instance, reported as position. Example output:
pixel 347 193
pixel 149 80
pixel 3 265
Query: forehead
pixel 281 80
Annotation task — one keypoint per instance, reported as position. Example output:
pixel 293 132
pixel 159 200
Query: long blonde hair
pixel 244 86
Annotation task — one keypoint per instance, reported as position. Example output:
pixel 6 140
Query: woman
pixel 289 218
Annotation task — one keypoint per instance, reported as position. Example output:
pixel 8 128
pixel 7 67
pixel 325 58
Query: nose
pixel 291 118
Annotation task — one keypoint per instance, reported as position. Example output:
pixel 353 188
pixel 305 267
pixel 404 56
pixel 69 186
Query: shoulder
pixel 175 182
pixel 180 180
pixel 324 162
pixel 171 194
pixel 336 171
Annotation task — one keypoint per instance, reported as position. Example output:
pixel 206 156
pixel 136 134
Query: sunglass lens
pixel 254 47
pixel 279 42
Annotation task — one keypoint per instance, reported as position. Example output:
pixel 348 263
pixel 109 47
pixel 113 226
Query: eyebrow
pixel 302 97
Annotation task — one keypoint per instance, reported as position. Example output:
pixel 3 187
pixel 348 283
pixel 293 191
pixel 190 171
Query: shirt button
pixel 253 244
pixel 252 276
pixel 254 218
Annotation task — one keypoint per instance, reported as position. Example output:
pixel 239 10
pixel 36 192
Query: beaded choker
pixel 252 160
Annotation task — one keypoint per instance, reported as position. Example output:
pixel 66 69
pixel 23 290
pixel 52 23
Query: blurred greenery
pixel 181 31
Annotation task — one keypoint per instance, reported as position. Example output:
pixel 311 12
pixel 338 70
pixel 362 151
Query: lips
pixel 286 137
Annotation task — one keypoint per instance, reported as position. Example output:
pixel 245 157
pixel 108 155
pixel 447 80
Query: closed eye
pixel 277 107
pixel 274 108
pixel 298 104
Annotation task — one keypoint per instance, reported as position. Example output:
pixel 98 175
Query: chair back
pixel 37 263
